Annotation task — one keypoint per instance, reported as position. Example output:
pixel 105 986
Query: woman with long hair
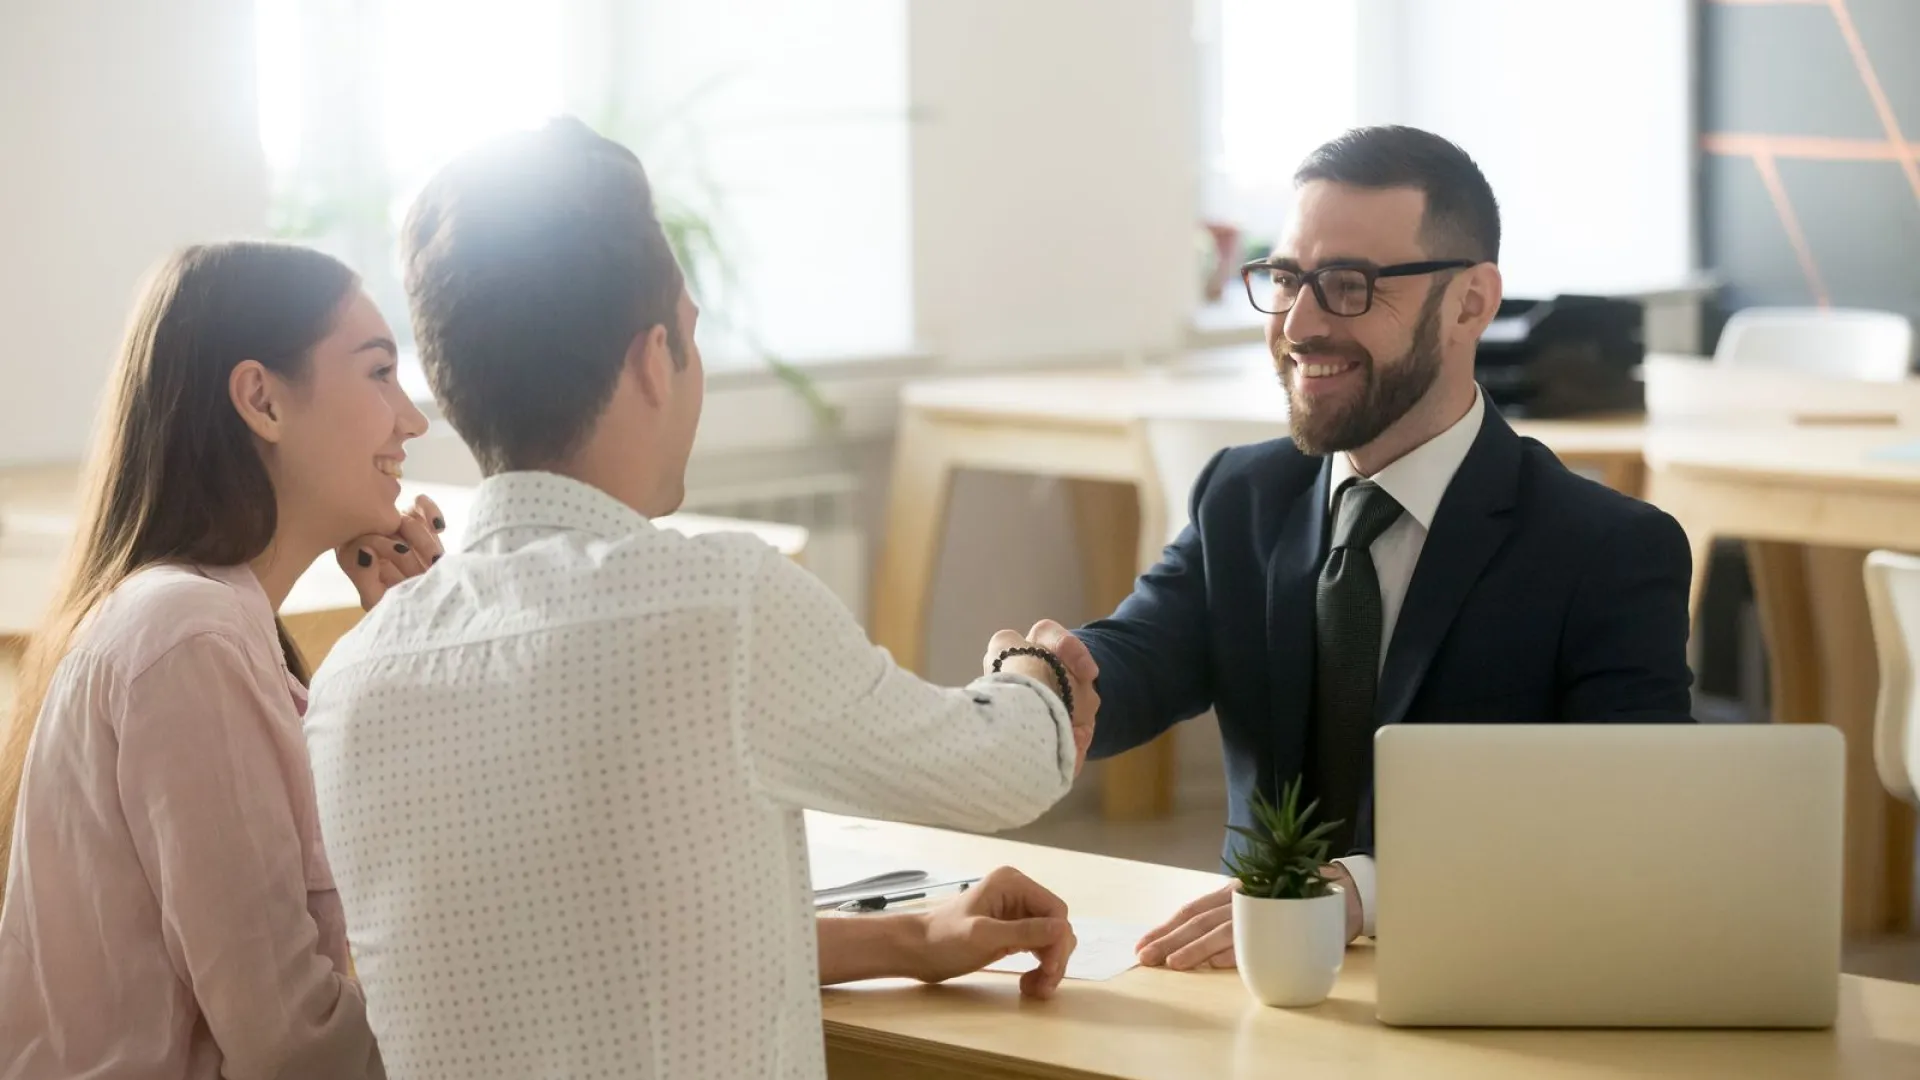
pixel 168 910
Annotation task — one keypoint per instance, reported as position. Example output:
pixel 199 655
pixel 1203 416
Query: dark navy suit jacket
pixel 1539 596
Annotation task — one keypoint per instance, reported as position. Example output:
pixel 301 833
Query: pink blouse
pixel 169 911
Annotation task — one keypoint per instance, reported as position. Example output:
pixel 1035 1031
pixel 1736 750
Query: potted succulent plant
pixel 1289 920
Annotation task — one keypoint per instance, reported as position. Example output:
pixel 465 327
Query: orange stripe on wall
pixel 1789 221
pixel 1881 106
pixel 1804 147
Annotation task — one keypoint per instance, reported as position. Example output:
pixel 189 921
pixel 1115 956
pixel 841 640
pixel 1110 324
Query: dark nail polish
pixel 439 524
pixel 433 560
pixel 401 548
pixel 366 558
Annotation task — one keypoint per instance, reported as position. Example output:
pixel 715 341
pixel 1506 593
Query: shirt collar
pixel 513 500
pixel 1419 478
pixel 252 596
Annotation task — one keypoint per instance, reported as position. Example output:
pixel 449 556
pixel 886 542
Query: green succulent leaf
pixel 1283 850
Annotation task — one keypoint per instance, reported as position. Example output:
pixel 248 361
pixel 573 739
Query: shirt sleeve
pixel 831 723
pixel 207 783
pixel 1360 869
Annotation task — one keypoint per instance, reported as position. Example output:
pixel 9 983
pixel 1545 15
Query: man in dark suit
pixel 1404 557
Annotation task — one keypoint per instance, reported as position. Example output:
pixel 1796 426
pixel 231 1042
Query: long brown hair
pixel 174 474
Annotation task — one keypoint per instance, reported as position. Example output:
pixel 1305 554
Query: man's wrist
pixel 899 943
pixel 1033 667
pixel 878 946
pixel 1359 872
pixel 905 944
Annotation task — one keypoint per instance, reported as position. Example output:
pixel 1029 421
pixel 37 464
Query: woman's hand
pixel 377 562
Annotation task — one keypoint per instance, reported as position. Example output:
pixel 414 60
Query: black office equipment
pixel 1567 356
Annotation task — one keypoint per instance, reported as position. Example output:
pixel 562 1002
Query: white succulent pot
pixel 1290 951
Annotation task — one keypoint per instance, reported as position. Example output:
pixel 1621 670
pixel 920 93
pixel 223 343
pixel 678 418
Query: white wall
pixel 126 130
pixel 1055 169
pixel 1579 111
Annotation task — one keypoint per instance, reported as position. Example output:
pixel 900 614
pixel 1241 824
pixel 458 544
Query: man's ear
pixel 651 362
pixel 255 396
pixel 1480 300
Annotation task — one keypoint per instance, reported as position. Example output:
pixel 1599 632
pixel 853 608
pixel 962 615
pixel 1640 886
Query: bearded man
pixel 1403 557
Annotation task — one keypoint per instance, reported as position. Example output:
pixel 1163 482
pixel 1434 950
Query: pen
pixel 884 900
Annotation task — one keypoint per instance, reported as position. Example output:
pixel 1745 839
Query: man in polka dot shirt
pixel 561 775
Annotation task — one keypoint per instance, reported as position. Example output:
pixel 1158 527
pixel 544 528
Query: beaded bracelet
pixel 1059 670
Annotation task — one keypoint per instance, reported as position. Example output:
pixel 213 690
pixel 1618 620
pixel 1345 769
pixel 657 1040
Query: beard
pixel 1387 392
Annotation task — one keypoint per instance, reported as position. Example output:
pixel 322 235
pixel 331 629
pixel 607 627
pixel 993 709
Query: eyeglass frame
pixel 1311 279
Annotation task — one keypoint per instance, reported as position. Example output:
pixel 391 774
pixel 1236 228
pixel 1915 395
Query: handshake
pixel 1074 658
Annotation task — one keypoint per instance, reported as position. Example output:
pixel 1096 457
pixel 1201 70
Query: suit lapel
pixel 1292 571
pixel 1474 518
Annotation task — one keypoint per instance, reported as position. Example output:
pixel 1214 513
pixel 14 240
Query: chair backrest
pixel 1893 599
pixel 1876 346
pixel 1181 448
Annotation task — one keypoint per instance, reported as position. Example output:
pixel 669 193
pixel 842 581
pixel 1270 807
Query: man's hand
pixel 1200 935
pixel 379 561
pixel 1073 655
pixel 1005 913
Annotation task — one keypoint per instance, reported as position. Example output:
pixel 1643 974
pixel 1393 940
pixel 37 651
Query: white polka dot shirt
pixel 560 779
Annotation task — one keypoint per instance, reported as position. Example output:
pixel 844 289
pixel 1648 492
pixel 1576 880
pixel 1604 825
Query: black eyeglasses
pixel 1345 291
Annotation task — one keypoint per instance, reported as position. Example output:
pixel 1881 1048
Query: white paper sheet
pixel 834 868
pixel 1105 950
pixel 841 873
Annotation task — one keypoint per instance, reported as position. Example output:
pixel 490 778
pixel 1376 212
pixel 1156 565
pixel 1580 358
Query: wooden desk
pixel 1810 501
pixel 1089 429
pixel 36 524
pixel 1161 1025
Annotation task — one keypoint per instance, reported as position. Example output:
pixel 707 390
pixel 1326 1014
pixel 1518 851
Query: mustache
pixel 1288 349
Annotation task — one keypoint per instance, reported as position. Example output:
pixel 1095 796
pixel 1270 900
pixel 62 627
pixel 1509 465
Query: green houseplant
pixel 1289 919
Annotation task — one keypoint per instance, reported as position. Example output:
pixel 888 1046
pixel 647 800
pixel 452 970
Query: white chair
pixel 1181 448
pixel 1874 346
pixel 1893 599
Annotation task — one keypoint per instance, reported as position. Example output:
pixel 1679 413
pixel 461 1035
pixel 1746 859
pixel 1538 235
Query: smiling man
pixel 1404 557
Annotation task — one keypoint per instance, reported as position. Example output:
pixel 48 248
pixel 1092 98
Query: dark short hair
pixel 1462 219
pixel 532 262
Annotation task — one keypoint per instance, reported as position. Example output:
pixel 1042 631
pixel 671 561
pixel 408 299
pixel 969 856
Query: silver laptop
pixel 1595 875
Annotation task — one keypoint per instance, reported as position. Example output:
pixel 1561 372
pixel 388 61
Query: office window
pixel 781 127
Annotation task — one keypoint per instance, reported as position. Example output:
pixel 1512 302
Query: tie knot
pixel 1364 511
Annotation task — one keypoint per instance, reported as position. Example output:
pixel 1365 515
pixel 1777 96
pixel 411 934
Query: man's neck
pixel 619 473
pixel 1439 410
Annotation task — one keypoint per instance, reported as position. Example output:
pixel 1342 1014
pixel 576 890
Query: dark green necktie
pixel 1347 627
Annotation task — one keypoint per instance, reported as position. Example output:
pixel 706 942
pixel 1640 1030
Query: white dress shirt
pixel 561 774
pixel 1417 481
